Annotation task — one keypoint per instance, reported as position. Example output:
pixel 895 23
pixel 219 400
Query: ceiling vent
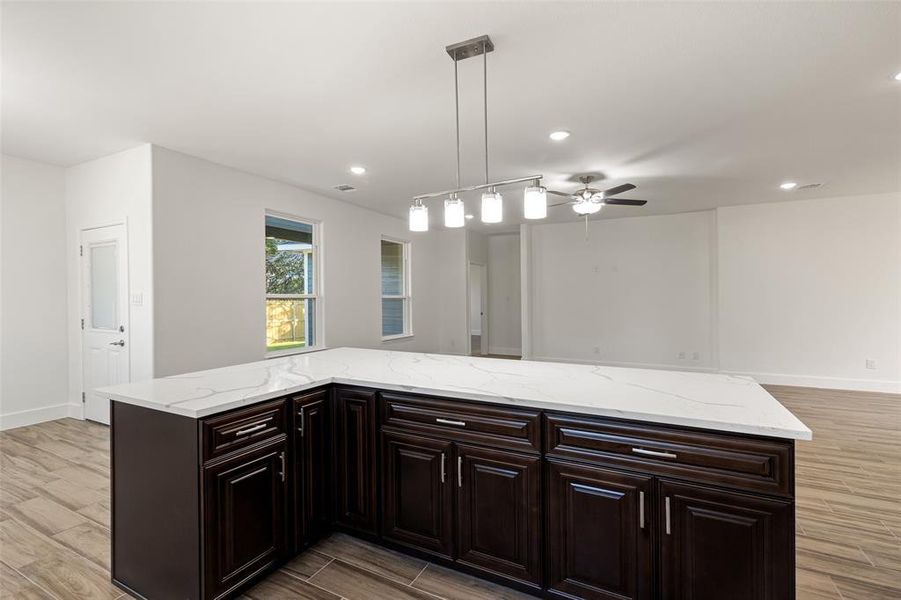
pixel 345 188
pixel 809 186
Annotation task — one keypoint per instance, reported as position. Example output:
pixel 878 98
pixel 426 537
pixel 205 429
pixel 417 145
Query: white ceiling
pixel 698 104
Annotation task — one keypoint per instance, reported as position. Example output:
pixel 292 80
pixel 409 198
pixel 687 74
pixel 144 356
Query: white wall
pixel 809 290
pixel 452 265
pixel 113 189
pixel 209 266
pixel 636 292
pixel 504 297
pixel 798 293
pixel 33 350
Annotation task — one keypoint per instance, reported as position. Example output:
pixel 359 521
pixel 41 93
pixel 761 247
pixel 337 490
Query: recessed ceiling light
pixel 558 136
pixel 358 170
pixel 898 76
pixel 788 185
pixel 470 216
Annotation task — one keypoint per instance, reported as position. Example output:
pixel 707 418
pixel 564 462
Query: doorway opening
pixel 478 309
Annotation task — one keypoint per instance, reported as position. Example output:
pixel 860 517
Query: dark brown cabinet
pixel 718 544
pixel 356 460
pixel 312 467
pixel 559 505
pixel 498 512
pixel 417 492
pixel 599 533
pixel 245 516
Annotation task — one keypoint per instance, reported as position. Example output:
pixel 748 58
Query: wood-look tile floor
pixel 54 517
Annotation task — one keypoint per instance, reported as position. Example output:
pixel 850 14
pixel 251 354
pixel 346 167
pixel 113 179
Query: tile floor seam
pixel 32 582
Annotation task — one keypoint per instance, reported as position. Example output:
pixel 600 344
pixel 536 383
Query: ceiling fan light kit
pixel 585 202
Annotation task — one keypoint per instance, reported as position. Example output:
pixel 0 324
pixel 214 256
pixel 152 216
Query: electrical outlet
pixel 596 350
pixel 681 356
pixel 871 364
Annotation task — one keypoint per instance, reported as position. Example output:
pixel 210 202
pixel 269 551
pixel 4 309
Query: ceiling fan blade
pixel 556 193
pixel 619 189
pixel 559 204
pixel 625 202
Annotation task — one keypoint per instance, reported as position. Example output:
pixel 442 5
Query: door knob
pixel 119 343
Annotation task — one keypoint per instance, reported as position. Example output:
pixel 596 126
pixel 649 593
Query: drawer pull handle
pixel 653 453
pixel 251 429
pixel 668 530
pixel 450 422
pixel 641 510
pixel 443 467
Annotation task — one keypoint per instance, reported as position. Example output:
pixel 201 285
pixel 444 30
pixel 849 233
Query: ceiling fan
pixel 588 200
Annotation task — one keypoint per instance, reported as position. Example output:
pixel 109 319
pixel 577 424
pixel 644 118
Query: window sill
pixel 392 338
pixel 292 351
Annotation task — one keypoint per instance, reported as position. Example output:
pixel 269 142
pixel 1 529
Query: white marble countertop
pixel 704 400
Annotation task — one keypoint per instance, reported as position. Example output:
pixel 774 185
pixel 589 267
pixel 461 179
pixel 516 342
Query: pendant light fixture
pixel 419 216
pixel 535 196
pixel 534 203
pixel 454 212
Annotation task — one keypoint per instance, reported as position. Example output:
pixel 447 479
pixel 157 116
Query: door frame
pixel 483 299
pixel 82 304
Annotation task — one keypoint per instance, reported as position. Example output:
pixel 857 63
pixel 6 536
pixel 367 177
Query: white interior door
pixel 104 336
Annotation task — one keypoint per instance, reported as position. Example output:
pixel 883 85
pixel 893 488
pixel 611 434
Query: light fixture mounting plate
pixel 470 48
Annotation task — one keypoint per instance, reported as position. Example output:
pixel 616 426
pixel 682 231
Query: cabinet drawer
pixel 226 433
pixel 459 420
pixel 753 464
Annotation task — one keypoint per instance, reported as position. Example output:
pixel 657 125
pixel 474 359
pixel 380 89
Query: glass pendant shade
pixel 587 207
pixel 535 202
pixel 492 207
pixel 454 213
pixel 419 217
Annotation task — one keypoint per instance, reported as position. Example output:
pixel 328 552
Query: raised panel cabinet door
pixel 312 468
pixel 355 455
pixel 244 517
pixel 499 512
pixel 417 492
pixel 599 543
pixel 718 544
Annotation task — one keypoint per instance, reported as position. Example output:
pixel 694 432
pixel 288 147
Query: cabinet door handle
pixel 281 458
pixel 641 510
pixel 668 528
pixel 653 453
pixel 459 471
pixel 300 428
pixel 443 467
pixel 247 430
pixel 450 422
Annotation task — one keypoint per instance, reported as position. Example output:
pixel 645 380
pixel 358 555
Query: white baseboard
pixel 828 383
pixel 35 415
pixel 504 351
pixel 76 411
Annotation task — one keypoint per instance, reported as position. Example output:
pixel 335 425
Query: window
pixel 395 289
pixel 292 275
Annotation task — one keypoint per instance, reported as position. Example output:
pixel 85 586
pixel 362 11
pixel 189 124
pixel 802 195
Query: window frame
pixel 406 296
pixel 316 288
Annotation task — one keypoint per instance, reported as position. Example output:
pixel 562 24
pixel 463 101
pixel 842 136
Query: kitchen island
pixel 560 480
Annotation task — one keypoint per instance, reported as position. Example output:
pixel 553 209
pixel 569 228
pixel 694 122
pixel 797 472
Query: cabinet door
pixel 717 544
pixel 599 533
pixel 498 512
pixel 245 516
pixel 417 492
pixel 355 454
pixel 312 467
